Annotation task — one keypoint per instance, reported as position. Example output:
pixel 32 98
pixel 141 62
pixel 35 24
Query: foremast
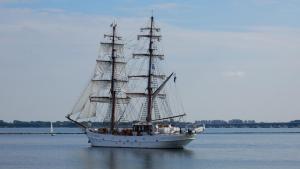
pixel 149 87
pixel 107 89
pixel 112 90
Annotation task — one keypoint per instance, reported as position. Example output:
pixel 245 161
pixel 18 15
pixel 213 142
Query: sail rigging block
pixel 113 36
pixel 135 95
pixel 148 28
pixel 158 37
pixel 109 100
pixel 138 55
pixel 109 80
pixel 110 44
pixel 109 61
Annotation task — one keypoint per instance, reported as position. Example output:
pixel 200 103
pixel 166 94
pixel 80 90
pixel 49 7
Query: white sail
pixel 84 106
pixel 51 128
pixel 107 48
pixel 103 69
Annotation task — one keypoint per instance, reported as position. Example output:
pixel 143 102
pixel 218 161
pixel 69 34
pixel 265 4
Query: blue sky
pixel 207 14
pixel 233 58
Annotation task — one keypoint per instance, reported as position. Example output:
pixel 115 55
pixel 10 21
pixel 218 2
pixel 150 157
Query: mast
pixel 112 90
pixel 152 36
pixel 149 88
pixel 107 88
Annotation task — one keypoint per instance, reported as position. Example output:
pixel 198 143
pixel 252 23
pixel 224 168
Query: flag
pixel 175 78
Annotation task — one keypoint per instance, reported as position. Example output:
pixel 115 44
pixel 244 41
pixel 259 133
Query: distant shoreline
pixel 236 123
pixel 221 131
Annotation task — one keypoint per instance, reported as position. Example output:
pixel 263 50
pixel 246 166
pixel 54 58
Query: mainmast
pixel 150 54
pixel 149 88
pixel 112 90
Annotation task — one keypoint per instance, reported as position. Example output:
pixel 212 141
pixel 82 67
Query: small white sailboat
pixel 51 129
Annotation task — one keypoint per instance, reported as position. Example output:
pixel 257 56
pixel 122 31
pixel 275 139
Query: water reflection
pixel 127 158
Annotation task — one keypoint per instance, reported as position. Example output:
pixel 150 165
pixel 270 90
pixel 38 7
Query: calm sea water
pixel 218 149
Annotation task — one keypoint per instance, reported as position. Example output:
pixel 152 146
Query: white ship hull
pixel 148 141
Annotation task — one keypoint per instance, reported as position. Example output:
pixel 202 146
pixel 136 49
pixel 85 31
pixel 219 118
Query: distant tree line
pixel 234 123
pixel 237 123
pixel 17 123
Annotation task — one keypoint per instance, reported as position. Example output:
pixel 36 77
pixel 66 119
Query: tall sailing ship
pixel 119 90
